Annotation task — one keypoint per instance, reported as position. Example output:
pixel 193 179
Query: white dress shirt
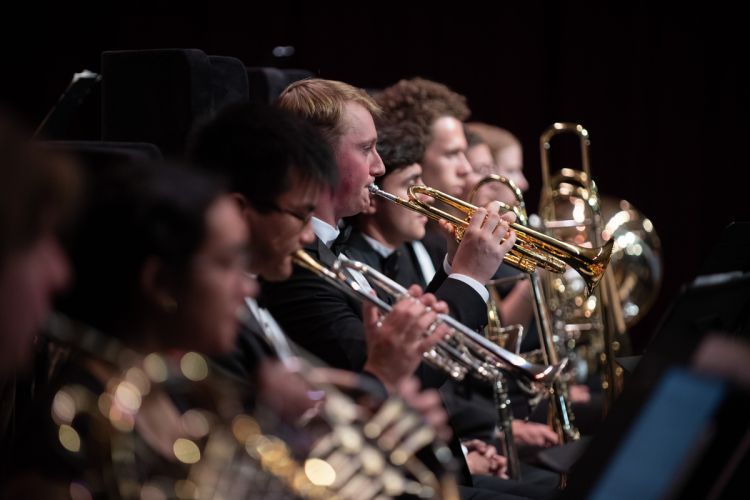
pixel 328 234
pixel 271 330
pixel 426 267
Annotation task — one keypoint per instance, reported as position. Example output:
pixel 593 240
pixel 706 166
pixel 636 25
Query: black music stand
pixel 674 431
pixel 58 118
pixel 731 252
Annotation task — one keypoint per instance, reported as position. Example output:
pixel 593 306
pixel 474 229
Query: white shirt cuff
pixel 477 286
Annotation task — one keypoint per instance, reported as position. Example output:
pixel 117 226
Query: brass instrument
pixel 573 210
pixel 507 337
pixel 216 449
pixel 137 443
pixel 561 416
pixel 532 248
pixel 364 450
pixel 636 257
pixel 504 427
pixel 462 351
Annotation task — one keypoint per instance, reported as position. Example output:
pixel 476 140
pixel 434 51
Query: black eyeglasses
pixel 300 217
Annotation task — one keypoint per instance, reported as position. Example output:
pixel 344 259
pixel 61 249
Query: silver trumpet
pixel 462 351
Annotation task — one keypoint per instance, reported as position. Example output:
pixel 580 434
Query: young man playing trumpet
pixel 384 236
pixel 315 313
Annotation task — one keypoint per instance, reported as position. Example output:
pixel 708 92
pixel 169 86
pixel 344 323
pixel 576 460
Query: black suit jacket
pixel 465 304
pixel 328 323
pixel 251 348
pixel 317 316
pixel 434 243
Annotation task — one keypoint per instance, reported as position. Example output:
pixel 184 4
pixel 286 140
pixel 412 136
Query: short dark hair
pixel 130 213
pixel 260 149
pixel 399 145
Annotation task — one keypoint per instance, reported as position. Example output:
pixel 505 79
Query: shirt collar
pixel 324 231
pixel 381 249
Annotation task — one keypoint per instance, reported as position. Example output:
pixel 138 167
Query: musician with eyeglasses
pixel 277 166
pixel 157 255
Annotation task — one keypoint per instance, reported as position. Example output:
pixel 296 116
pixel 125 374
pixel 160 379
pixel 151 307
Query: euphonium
pixel 561 416
pixel 532 248
pixel 462 351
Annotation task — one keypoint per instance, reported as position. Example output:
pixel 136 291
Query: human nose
pixel 464 167
pixel 58 266
pixel 377 168
pixel 307 236
pixel 523 183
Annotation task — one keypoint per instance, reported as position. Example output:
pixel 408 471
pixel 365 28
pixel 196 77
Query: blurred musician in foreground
pixel 37 191
pixel 158 257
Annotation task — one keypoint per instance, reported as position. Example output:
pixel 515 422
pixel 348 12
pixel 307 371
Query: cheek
pixel 210 314
pixel 24 303
pixel 345 183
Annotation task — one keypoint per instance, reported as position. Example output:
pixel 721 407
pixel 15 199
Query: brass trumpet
pixel 532 248
pixel 463 351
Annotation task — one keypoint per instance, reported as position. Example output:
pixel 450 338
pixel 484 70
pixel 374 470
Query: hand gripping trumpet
pixel 461 352
pixel 532 248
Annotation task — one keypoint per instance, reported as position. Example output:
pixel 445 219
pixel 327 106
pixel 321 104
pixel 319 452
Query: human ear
pixel 154 287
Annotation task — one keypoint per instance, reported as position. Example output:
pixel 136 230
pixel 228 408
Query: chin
pixel 415 234
pixel 283 271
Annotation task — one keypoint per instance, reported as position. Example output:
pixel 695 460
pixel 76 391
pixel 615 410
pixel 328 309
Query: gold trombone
pixel 570 206
pixel 532 248
pixel 561 416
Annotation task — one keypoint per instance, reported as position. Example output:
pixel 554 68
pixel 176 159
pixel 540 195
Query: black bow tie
pixel 389 265
pixel 340 242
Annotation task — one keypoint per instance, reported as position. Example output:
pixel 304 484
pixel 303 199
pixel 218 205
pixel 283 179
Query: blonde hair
pixel 322 103
pixel 496 138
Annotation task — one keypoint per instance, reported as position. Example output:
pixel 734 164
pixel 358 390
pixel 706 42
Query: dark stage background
pixel 663 91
